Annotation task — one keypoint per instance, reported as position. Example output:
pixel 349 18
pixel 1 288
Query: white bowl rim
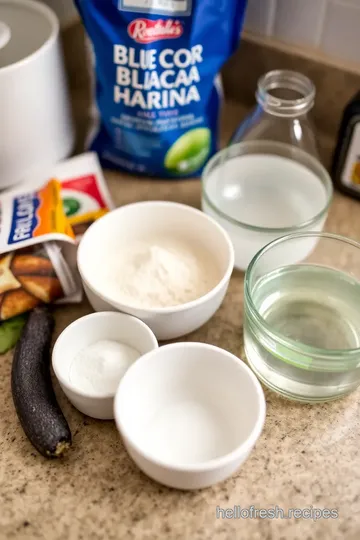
pixel 211 464
pixel 171 309
pixel 56 352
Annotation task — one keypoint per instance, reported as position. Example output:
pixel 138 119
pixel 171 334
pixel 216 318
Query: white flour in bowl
pixel 161 272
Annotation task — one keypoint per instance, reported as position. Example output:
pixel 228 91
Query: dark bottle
pixel 346 161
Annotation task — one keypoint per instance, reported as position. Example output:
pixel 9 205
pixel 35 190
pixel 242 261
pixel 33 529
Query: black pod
pixel 39 413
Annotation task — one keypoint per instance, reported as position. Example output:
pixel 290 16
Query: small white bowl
pixel 189 414
pixel 82 333
pixel 137 220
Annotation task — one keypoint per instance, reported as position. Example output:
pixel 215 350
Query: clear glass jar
pixel 301 328
pixel 260 190
pixel 284 99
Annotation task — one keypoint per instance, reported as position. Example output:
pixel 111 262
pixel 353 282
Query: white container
pixel 189 414
pixel 86 331
pixel 259 191
pixel 134 221
pixel 36 127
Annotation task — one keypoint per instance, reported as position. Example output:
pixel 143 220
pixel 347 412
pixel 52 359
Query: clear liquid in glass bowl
pixel 301 331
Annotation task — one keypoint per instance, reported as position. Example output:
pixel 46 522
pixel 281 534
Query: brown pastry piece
pixel 16 302
pixel 7 280
pixel 29 264
pixel 46 289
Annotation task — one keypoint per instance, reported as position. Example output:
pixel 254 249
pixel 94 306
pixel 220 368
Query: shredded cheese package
pixel 84 191
pixel 34 217
pixel 33 269
pixel 79 197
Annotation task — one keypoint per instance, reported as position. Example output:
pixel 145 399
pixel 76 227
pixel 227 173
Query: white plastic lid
pixel 25 27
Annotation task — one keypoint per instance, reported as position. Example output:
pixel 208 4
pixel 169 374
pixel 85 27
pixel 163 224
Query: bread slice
pixel 47 289
pixel 29 264
pixel 16 302
pixel 8 281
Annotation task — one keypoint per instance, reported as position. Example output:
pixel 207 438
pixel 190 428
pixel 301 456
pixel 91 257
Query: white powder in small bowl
pixel 98 368
pixel 161 272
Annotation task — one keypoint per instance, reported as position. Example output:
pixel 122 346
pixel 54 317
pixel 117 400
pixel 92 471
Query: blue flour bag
pixel 158 89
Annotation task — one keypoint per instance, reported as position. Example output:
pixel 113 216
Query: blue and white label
pixel 157 93
pixel 24 219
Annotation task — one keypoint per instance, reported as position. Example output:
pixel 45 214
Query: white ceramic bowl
pixel 189 414
pixel 137 220
pixel 82 333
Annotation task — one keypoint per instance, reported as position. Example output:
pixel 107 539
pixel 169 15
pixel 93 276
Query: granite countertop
pixel 307 455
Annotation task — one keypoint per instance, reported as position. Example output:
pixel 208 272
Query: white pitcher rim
pixel 55 29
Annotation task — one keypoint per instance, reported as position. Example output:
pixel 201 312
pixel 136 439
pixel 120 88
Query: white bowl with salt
pixel 91 356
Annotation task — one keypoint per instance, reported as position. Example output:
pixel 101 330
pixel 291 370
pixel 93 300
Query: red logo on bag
pixel 147 31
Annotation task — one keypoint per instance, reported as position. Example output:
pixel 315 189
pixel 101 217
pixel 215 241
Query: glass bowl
pixel 302 312
pixel 261 190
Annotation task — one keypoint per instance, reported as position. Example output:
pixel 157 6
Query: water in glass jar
pixel 316 307
pixel 267 190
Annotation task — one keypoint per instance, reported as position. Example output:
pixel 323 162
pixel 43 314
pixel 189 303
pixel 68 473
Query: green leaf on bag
pixel 10 332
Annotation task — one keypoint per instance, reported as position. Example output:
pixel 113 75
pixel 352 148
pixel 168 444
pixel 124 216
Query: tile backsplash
pixel 331 26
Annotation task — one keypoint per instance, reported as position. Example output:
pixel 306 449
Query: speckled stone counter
pixel 307 455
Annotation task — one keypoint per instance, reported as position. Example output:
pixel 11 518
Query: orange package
pixel 32 267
